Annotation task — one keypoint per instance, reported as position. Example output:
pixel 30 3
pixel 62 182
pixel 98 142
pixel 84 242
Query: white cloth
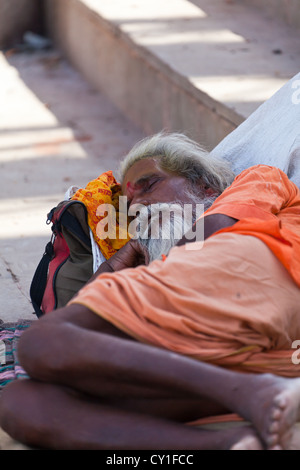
pixel 98 257
pixel 270 136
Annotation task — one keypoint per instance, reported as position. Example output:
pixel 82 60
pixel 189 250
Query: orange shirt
pixel 267 205
pixel 230 303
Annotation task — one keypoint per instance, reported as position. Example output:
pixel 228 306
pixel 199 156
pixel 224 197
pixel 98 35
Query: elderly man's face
pixel 145 183
pixel 156 190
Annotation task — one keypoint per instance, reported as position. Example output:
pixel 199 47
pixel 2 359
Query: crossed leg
pixel 92 387
pixel 59 419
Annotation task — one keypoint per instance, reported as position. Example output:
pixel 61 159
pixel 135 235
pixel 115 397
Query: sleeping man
pixel 161 337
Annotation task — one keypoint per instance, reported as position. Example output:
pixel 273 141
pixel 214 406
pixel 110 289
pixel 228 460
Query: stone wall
pixel 17 17
pixel 142 86
pixel 285 10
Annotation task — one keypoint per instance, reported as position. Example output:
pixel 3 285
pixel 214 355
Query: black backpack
pixel 67 263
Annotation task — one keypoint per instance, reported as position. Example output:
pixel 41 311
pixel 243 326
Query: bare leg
pixel 65 347
pixel 57 350
pixel 59 419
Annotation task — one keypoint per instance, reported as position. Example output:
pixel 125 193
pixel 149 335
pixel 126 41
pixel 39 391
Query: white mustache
pixel 161 221
pixel 161 228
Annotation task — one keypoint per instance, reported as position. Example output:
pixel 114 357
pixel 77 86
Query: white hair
pixel 177 153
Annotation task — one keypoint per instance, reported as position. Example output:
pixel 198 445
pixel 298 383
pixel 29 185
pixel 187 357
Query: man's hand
pixel 129 256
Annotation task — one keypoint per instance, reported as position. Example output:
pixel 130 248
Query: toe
pixel 248 443
pixel 276 414
pixel 274 427
pixel 281 401
pixel 272 440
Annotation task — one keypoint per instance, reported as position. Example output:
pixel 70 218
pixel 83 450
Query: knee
pixel 37 348
pixel 23 413
pixel 13 405
pixel 7 405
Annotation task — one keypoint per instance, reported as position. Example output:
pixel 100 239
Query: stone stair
pixel 199 66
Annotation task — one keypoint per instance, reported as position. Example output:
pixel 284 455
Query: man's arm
pixel 212 224
pixel 132 254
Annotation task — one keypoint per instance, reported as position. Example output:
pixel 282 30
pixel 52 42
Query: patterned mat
pixel 10 368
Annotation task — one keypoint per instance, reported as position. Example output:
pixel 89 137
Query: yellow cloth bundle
pixel 103 190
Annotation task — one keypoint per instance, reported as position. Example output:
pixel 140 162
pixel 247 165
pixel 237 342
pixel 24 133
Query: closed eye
pixel 148 183
pixel 143 185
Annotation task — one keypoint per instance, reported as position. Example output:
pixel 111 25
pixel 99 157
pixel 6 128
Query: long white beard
pixel 158 236
pixel 161 226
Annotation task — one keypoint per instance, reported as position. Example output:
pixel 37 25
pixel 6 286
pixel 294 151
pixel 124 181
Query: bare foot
pixel 242 437
pixel 248 443
pixel 234 437
pixel 274 409
pixel 295 439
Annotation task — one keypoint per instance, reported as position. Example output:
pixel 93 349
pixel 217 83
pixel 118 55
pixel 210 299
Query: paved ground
pixel 55 131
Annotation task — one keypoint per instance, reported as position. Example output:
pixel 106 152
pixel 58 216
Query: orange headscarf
pixel 103 190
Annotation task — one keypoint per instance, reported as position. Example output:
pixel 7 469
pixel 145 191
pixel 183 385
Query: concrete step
pixel 287 11
pixel 199 66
